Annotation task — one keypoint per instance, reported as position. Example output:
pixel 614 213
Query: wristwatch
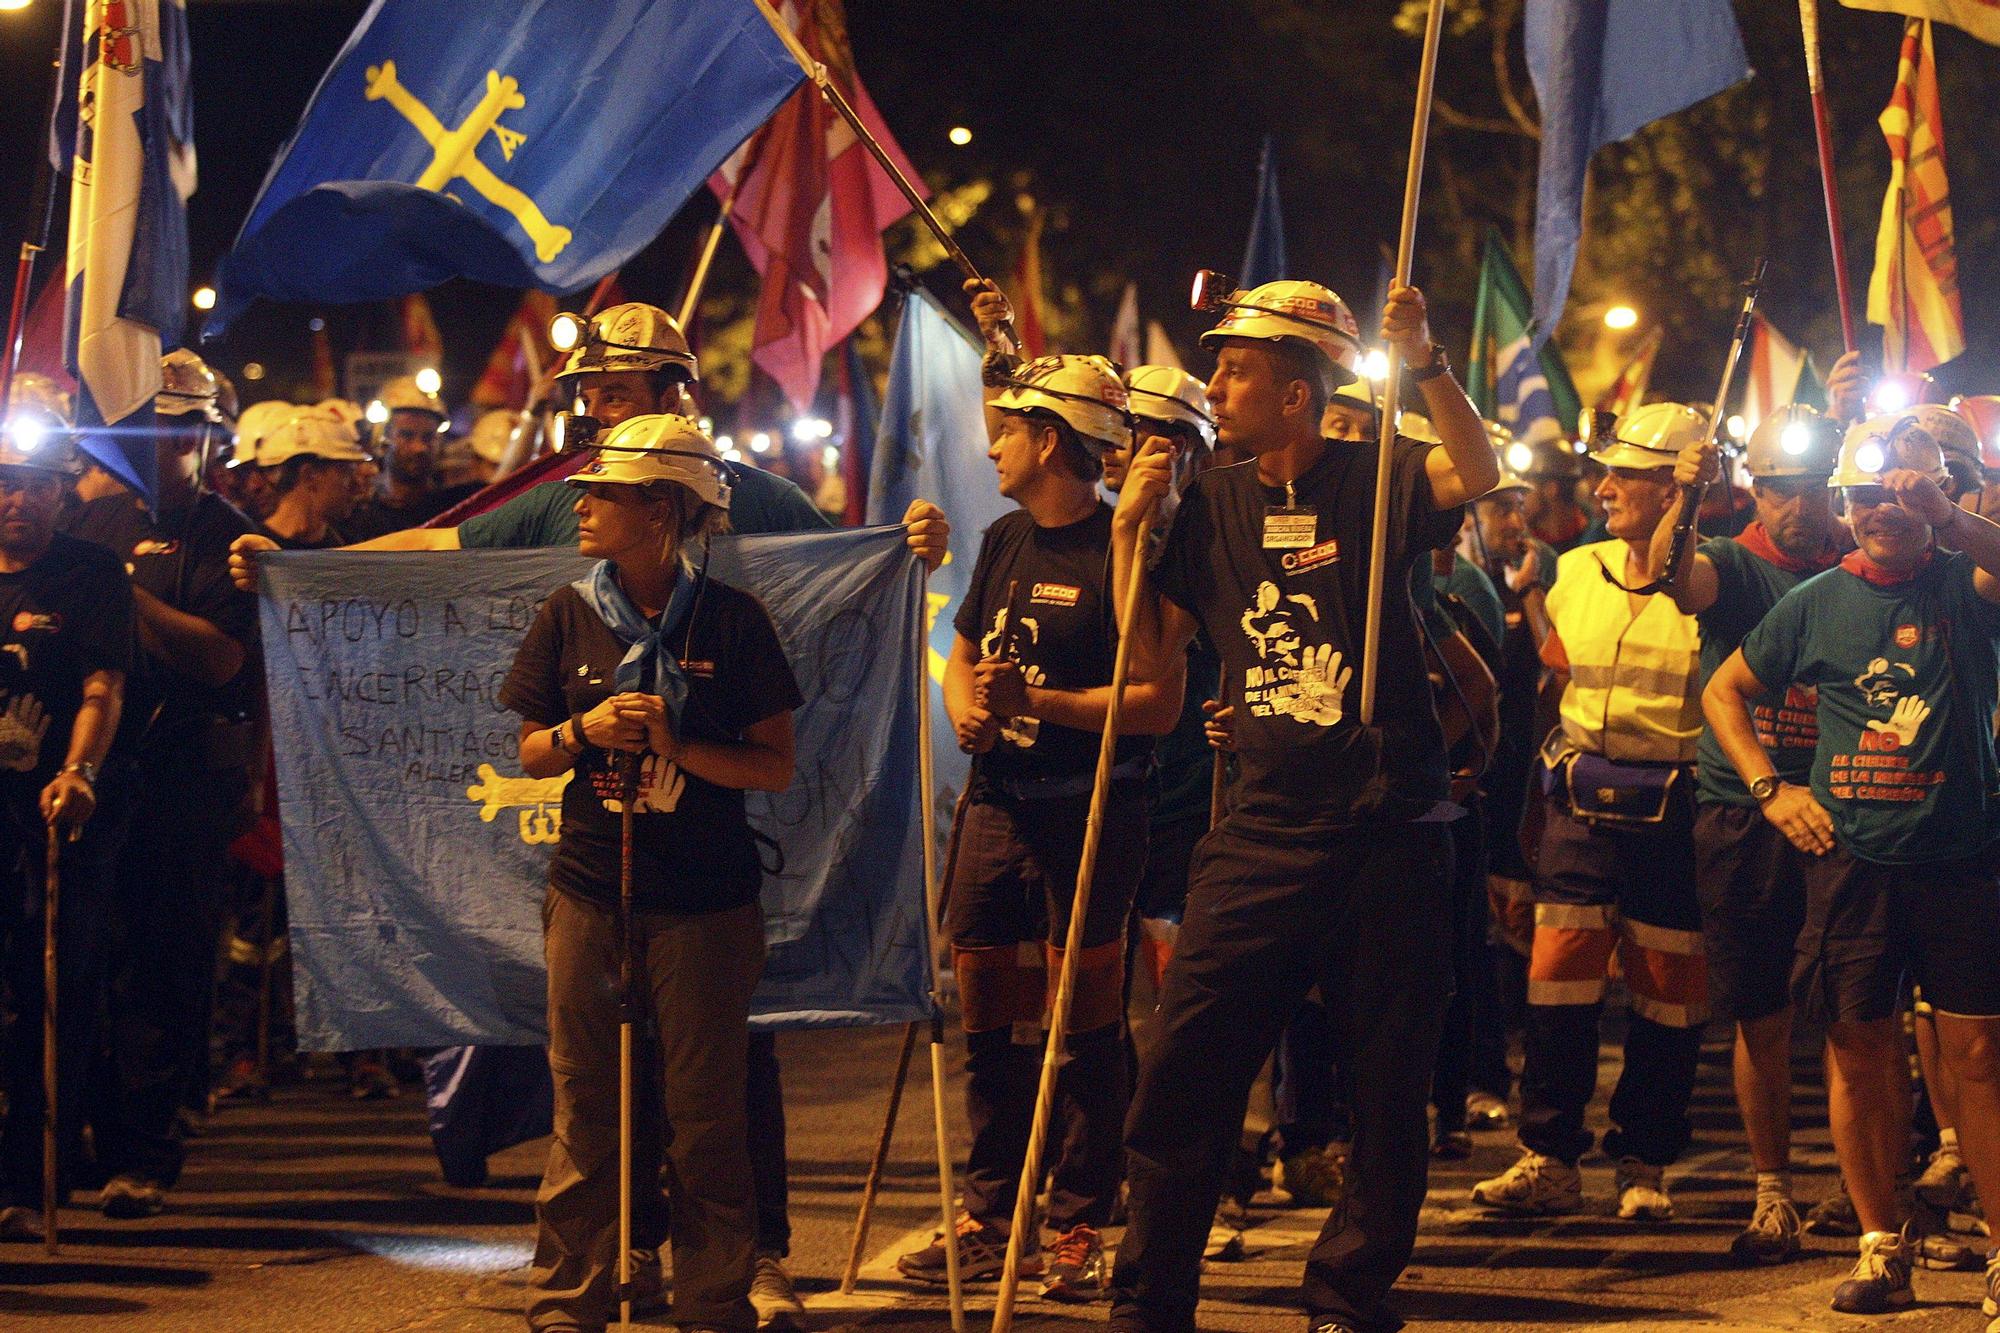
pixel 1764 788
pixel 87 771
pixel 1439 364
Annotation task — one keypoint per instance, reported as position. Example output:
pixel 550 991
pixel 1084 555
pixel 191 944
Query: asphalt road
pixel 317 1214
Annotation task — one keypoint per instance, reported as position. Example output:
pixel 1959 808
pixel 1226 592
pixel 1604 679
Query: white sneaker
pixel 1642 1193
pixel 1535 1184
pixel 777 1305
pixel 1945 1183
pixel 1991 1305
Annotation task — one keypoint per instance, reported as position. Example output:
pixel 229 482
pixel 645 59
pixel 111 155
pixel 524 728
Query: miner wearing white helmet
pixel 1321 868
pixel 1168 402
pixel 67 631
pixel 1897 817
pixel 1026 686
pixel 312 460
pixel 648 661
pixel 192 741
pixel 409 440
pixel 1749 879
pixel 1615 872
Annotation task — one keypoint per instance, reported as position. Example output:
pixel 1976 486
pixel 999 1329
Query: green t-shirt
pixel 1747 587
pixel 1906 674
pixel 545 515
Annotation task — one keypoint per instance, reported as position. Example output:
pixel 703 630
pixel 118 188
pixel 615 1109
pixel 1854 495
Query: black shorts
pixel 1169 852
pixel 1868 924
pixel 1752 885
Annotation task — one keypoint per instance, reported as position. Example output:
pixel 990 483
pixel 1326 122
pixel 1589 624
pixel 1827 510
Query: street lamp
pixel 14 4
pixel 960 136
pixel 204 297
pixel 1621 317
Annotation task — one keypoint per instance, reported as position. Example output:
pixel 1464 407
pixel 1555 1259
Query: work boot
pixel 1773 1234
pixel 777 1304
pixel 1485 1111
pixel 1314 1177
pixel 1076 1266
pixel 1880 1281
pixel 1642 1192
pixel 1535 1185
pixel 1833 1216
pixel 982 1255
pixel 127 1198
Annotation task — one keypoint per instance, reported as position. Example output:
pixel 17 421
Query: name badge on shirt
pixel 1290 529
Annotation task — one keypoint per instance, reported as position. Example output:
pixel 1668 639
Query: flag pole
pixel 1823 132
pixel 34 237
pixel 1019 1236
pixel 707 257
pixel 836 99
pixel 934 915
pixel 1378 546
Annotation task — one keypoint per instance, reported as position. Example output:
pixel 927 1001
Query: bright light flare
pixel 28 434
pixel 1890 396
pixel 807 429
pixel 1796 438
pixel 760 443
pixel 1621 317
pixel 204 297
pixel 1519 457
pixel 1736 426
pixel 960 136
pixel 428 380
pixel 1375 364
pixel 378 412
pixel 1870 457
pixel 566 331
pixel 829 458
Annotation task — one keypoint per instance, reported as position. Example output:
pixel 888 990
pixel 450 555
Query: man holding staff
pixel 1332 864
pixel 1027 686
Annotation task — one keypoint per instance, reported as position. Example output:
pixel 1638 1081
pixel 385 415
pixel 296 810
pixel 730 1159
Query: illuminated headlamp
pixel 1593 424
pixel 573 430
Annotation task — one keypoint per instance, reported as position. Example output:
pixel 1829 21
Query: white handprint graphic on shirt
pixel 1318 695
pixel 1909 714
pixel 22 725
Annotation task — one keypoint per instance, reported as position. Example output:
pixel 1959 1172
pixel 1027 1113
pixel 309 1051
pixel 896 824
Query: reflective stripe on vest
pixel 1634 681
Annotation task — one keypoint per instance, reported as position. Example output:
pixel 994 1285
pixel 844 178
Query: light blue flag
pixel 416 852
pixel 1264 253
pixel 932 445
pixel 536 144
pixel 1603 69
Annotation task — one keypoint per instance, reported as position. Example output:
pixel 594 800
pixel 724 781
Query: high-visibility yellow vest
pixel 1634 681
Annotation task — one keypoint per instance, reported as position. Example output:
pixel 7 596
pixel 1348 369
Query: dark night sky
pixel 1120 112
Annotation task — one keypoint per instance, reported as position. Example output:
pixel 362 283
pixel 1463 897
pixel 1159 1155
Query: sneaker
pixel 1990 1307
pixel 1076 1266
pixel 1451 1145
pixel 1535 1184
pixel 1773 1234
pixel 1880 1281
pixel 1642 1192
pixel 1314 1177
pixel 20 1223
pixel 1319 1325
pixel 1225 1234
pixel 127 1198
pixel 778 1306
pixel 982 1255
pixel 1485 1111
pixel 1945 1184
pixel 1833 1216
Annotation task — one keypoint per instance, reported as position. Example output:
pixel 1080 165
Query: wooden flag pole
pixel 51 1141
pixel 1823 132
pixel 1052 1053
pixel 933 909
pixel 1378 545
pixel 707 256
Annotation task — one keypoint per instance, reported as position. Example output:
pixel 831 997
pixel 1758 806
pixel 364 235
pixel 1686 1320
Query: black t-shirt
pixel 1288 620
pixel 62 618
pixel 334 537
pixel 1042 597
pixel 692 847
pixel 182 558
pixel 375 517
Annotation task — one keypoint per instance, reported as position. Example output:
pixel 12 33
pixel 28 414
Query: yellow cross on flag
pixel 1913 293
pixel 1981 18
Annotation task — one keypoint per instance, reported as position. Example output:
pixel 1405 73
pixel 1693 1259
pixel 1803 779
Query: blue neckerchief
pixel 649 654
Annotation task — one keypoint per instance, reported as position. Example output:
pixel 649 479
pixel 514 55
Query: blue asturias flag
pixel 1602 70
pixel 535 144
pixel 932 445
pixel 124 133
pixel 1264 253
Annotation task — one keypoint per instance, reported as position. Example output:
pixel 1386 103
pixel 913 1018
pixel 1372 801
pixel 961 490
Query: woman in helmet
pixel 650 682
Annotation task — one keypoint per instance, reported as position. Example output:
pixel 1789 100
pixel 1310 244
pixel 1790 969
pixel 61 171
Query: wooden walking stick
pixel 50 1142
pixel 881 1160
pixel 1378 543
pixel 1093 832
pixel 628 795
pixel 933 909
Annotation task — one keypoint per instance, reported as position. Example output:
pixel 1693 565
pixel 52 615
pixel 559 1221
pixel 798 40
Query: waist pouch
pixel 1603 791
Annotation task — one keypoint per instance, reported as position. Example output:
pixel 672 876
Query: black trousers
pixel 1472 970
pixel 1365 916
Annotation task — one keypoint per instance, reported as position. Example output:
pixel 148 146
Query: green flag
pixel 1506 379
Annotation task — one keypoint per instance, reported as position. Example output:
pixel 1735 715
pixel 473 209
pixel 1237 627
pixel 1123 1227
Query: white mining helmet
pixel 1883 444
pixel 1795 441
pixel 659 446
pixel 187 388
pixel 311 432
pixel 404 394
pixel 258 420
pixel 1084 391
pixel 632 336
pixel 1301 312
pixel 1652 436
pixel 1168 393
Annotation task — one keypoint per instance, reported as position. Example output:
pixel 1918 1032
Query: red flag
pixel 1775 367
pixel 1629 389
pixel 420 331
pixel 1913 292
pixel 810 204
pixel 1029 319
pixel 521 356
pixel 42 334
pixel 323 384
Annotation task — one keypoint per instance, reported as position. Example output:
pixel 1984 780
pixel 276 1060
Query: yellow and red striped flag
pixel 1913 293
pixel 1981 18
pixel 1031 313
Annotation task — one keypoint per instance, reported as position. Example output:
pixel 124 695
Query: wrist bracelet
pixel 87 771
pixel 577 735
